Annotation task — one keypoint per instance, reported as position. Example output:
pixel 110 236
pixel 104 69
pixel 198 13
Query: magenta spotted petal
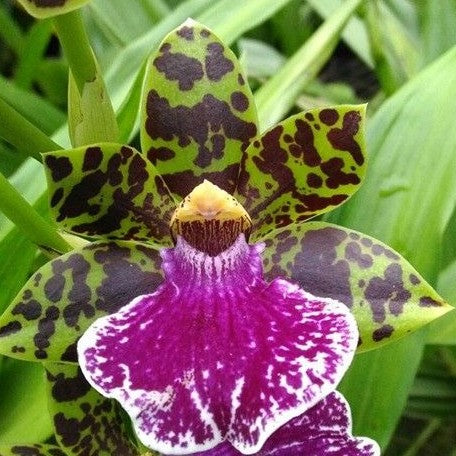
pixel 324 430
pixel 217 353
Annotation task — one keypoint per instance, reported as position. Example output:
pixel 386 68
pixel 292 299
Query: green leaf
pixel 85 422
pixel 108 190
pixel 354 33
pixel 66 295
pixel 306 165
pixel 260 60
pixel 407 202
pixel 52 81
pixel 35 109
pixel 37 229
pixel 292 25
pixel 127 20
pixel 29 180
pixel 231 18
pixel 10 160
pixel 437 25
pixel 35 45
pixel 24 416
pixel 395 52
pixel 377 385
pixel 128 113
pixel 17 254
pixel 197 111
pixel 44 8
pixel 91 118
pixel 388 298
pixel 10 31
pixel 38 449
pixel 275 98
pixel 443 331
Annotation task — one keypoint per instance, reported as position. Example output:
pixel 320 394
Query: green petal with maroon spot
pixel 198 111
pixel 388 298
pixel 304 166
pixel 48 8
pixel 85 422
pixel 109 191
pixel 38 449
pixel 66 295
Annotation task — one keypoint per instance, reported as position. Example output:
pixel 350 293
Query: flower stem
pixel 76 47
pixel 22 134
pixel 24 216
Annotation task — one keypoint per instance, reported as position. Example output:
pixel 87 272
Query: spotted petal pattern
pixel 110 191
pixel 198 112
pixel 388 298
pixel 304 166
pixel 66 295
pixel 37 449
pixel 85 422
pixel 324 430
pixel 217 353
pixel 48 8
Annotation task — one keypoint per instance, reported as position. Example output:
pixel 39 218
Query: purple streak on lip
pixel 324 430
pixel 217 353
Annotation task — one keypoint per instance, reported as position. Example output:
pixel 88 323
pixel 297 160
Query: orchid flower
pixel 217 353
pixel 224 317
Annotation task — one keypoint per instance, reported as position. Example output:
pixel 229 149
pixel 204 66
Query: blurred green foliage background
pixel 398 55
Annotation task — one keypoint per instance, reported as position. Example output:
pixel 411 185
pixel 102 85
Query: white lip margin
pixel 89 339
pixel 286 416
pixel 360 440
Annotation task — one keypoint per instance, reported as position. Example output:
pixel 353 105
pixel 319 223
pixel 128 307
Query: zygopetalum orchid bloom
pixel 217 353
pixel 242 327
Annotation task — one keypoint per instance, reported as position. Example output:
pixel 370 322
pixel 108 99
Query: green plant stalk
pixel 22 214
pixel 20 133
pixel 76 47
pixel 278 95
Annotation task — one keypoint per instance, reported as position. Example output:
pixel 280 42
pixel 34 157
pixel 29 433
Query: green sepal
pixel 85 422
pixel 110 191
pixel 304 166
pixel 388 298
pixel 42 9
pixel 38 449
pixel 91 117
pixel 60 301
pixel 198 112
